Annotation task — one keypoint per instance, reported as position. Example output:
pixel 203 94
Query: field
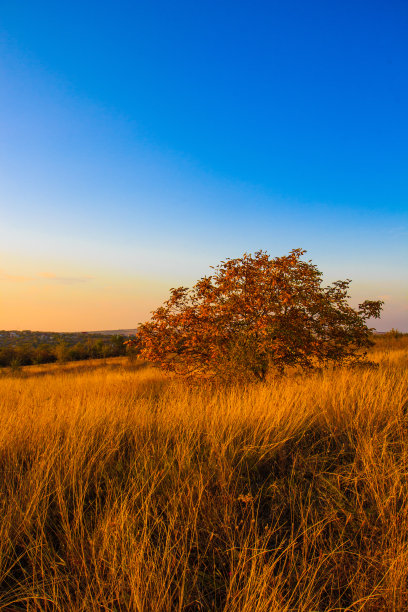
pixel 124 489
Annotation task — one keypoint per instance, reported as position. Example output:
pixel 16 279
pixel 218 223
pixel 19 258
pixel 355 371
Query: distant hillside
pixel 28 347
pixel 114 332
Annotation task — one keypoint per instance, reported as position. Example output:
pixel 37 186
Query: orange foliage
pixel 255 312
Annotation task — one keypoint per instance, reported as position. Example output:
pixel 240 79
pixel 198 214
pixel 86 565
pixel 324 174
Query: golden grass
pixel 123 489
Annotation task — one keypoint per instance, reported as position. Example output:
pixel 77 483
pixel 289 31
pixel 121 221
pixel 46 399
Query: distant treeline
pixel 37 353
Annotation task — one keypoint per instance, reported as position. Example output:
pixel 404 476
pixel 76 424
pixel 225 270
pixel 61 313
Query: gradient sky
pixel 142 142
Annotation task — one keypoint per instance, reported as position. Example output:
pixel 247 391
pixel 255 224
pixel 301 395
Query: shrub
pixel 255 312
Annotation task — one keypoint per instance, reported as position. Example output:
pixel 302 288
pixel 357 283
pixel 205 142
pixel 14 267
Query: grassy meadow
pixel 124 489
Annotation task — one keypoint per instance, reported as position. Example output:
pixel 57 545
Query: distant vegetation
pixel 126 489
pixel 21 348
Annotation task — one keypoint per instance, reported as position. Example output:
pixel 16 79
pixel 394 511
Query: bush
pixel 255 312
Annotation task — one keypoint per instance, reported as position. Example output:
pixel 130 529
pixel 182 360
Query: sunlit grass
pixel 123 489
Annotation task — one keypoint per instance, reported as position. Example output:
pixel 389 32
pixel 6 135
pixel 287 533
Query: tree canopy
pixel 253 313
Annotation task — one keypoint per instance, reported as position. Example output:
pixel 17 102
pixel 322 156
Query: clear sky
pixel 143 141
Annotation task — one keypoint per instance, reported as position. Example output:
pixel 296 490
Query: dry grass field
pixel 122 489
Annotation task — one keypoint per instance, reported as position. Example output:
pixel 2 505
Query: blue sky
pixel 142 142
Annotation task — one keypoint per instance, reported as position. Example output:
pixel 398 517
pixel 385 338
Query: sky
pixel 143 142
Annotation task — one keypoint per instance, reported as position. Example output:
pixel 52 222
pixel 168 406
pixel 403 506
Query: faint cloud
pixel 14 278
pixel 48 276
pixel 399 232
pixel 65 280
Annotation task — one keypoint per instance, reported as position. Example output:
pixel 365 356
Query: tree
pixel 254 313
pixel 61 351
